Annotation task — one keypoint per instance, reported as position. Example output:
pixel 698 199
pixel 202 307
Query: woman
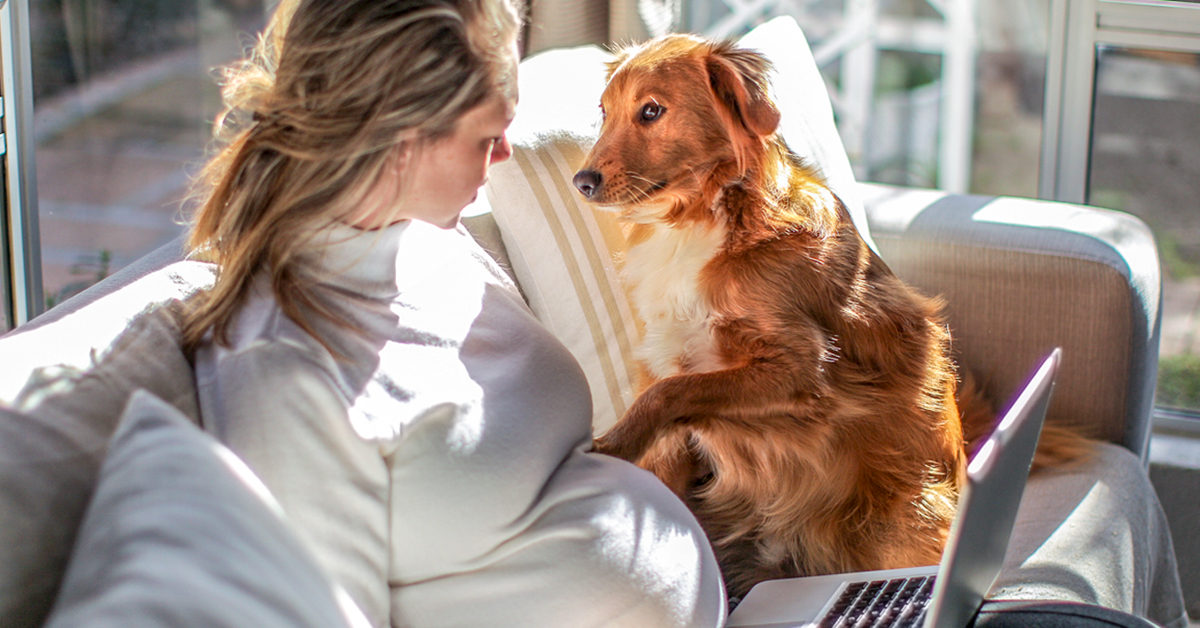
pixel 379 372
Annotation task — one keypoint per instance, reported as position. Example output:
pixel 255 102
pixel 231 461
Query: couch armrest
pixel 1022 276
pixel 157 259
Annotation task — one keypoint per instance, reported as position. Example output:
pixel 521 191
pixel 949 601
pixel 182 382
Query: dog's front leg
pixel 740 394
pixel 642 424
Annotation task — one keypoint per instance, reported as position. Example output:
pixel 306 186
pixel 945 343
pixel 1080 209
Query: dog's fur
pixel 800 398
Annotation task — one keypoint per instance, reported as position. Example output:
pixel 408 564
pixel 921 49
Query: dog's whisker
pixel 640 194
pixel 652 186
pixel 634 175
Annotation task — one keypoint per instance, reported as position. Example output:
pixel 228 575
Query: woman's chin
pixel 449 222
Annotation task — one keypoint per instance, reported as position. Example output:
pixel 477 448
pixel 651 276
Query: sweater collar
pixel 381 263
pixel 360 261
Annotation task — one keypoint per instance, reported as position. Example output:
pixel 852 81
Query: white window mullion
pixel 1052 111
pixel 23 242
pixel 958 94
pixel 1071 72
pixel 1070 116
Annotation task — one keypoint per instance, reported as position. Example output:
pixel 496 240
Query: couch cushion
pixel 181 533
pixel 567 256
pixel 65 385
pixel 1094 533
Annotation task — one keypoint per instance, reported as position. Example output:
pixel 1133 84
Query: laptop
pixel 939 596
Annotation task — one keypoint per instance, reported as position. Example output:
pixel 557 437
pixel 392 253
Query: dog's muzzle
pixel 587 182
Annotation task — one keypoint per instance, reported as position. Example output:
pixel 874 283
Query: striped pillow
pixel 566 255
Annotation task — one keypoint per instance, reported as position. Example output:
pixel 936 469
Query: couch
pixel 116 509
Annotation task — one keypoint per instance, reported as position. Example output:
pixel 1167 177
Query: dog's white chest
pixel 665 271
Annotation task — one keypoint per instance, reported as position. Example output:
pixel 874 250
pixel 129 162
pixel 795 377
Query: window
pixel 1122 134
pixel 123 99
pixel 21 282
pixel 1145 159
pixel 930 93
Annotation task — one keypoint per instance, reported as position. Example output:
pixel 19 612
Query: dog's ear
pixel 739 80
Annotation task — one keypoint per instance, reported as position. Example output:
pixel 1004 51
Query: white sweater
pixel 440 472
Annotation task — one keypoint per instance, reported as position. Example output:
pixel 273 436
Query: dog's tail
pixel 975 411
pixel 1058 446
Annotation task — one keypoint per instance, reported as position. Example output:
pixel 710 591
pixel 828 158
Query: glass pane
pixel 892 125
pixel 124 97
pixel 1146 160
pixel 1010 87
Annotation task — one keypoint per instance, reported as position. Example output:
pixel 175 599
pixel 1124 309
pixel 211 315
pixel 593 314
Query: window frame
pixel 1077 29
pixel 21 240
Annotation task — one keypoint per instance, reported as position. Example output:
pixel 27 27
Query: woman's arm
pixel 282 413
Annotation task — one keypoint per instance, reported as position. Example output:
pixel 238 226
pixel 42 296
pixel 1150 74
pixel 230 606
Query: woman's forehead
pixel 507 80
pixel 498 109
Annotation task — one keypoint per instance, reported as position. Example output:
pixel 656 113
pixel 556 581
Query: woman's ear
pixel 375 202
pixel 399 158
pixel 739 80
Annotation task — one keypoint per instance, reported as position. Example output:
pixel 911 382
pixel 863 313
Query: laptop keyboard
pixel 898 603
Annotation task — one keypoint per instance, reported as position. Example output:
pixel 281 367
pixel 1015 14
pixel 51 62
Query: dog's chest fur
pixel 664 271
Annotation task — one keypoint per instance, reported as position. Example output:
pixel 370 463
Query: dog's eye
pixel 651 111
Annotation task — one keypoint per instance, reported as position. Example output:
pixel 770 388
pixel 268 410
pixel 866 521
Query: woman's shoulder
pixel 261 335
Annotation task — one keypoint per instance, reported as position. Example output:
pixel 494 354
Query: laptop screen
pixel 989 503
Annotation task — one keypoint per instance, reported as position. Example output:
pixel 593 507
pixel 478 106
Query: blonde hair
pixel 333 88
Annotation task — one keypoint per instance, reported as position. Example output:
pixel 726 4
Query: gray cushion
pixel 181 533
pixel 64 387
pixel 1094 533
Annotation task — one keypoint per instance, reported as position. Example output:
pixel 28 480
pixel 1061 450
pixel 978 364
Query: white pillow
pixel 181 533
pixel 565 254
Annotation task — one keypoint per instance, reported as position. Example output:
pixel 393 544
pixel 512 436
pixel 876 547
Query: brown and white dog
pixel 800 398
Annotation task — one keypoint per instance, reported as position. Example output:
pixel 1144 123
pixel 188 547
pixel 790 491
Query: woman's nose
pixel 501 150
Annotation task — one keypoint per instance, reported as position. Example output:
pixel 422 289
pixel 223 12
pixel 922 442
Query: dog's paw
pixel 608 445
pixel 633 434
pixel 602 445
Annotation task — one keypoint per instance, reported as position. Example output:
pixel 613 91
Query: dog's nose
pixel 587 181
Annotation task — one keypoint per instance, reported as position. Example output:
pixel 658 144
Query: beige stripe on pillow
pixel 604 254
pixel 565 255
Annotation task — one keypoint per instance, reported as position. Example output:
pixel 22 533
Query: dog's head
pixel 682 117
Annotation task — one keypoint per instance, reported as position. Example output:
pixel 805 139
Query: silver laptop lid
pixel 979 536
